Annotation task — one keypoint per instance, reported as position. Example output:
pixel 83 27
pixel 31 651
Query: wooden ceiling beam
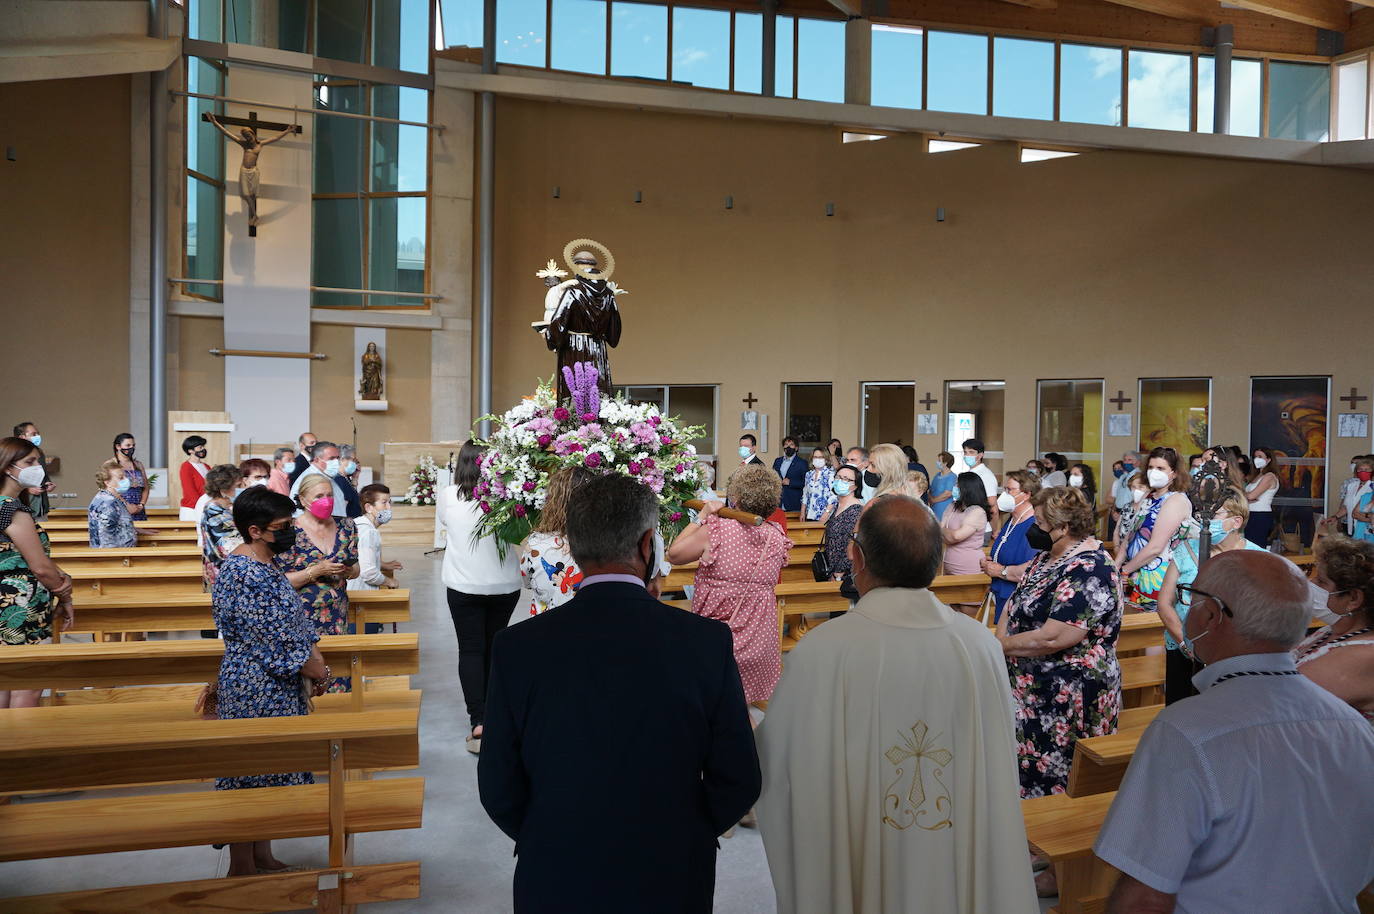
pixel 1047 4
pixel 1322 14
pixel 850 8
pixel 1205 12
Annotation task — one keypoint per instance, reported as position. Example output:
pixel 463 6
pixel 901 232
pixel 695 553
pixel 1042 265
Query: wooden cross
pixel 1120 400
pixel 1354 398
pixel 251 122
pixel 928 402
pixel 750 400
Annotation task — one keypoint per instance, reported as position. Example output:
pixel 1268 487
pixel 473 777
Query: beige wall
pixel 1109 265
pixel 64 259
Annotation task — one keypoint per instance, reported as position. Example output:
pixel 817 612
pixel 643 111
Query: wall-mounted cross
pixel 251 122
pixel 928 401
pixel 750 400
pixel 1120 400
pixel 1354 399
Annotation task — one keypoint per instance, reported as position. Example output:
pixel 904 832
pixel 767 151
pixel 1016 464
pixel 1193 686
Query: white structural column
pixel 451 260
pixel 267 278
pixel 858 62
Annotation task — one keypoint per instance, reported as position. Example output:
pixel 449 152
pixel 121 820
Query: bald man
pixel 889 762
pixel 1255 794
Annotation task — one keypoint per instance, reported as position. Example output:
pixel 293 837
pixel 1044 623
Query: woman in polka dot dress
pixel 738 567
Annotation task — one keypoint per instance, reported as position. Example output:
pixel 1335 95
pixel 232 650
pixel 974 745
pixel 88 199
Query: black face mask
pixel 282 540
pixel 127 451
pixel 871 479
pixel 1038 538
pixel 201 453
pixel 789 452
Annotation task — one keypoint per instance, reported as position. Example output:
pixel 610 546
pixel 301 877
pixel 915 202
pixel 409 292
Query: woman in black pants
pixel 483 587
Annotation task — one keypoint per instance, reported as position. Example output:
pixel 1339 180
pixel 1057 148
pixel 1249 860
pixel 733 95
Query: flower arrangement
pixel 424 481
pixel 541 435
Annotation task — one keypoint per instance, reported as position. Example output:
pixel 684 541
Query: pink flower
pixel 634 467
pixel 529 487
pixel 561 414
pixel 486 508
pixel 519 510
pixel 647 463
pixel 680 468
pixel 592 460
pixel 675 516
pixel 654 421
pixel 544 440
pixel 589 417
pixel 665 439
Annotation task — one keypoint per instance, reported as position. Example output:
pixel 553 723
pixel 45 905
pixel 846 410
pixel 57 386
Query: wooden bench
pixel 144 582
pixel 81 524
pixel 192 612
pixel 143 663
pixel 72 558
pixel 1100 762
pixel 1062 829
pixel 1142 680
pixel 65 513
pixel 145 537
pixel 798 568
pixel 1140 631
pixel 61 748
pixel 797 599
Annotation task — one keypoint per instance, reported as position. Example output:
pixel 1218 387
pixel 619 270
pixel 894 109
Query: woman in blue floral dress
pixel 136 496
pixel 108 523
pixel 1059 635
pixel 323 558
pixel 818 501
pixel 268 646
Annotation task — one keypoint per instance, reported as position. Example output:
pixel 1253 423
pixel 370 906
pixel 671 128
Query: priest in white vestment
pixel 889 764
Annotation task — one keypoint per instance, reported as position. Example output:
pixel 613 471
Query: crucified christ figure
pixel 248 170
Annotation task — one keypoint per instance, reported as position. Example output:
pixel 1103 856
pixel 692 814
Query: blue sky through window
pixel 519 32
pixel 1160 90
pixel 701 47
pixel 578 42
pixel 639 40
pixel 896 70
pixel 957 72
pixel 1090 84
pixel 748 52
pixel 820 60
pixel 1023 78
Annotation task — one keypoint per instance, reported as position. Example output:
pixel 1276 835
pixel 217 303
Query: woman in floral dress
pixel 108 523
pixel 218 535
pixel 1059 636
pixel 136 496
pixel 818 501
pixel 738 567
pixel 322 560
pixel 268 646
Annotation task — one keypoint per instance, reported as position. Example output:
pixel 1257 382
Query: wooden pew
pixel 133 583
pixel 192 612
pixel 145 537
pixel 67 513
pixel 1139 631
pixel 796 600
pixel 77 558
pixel 1099 763
pixel 46 749
pixel 1062 829
pixel 798 568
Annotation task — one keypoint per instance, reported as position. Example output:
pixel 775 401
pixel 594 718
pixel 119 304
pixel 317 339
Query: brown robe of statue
pixel 584 324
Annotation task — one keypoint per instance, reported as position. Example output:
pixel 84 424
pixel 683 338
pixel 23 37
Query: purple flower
pixel 544 440
pixel 675 516
pixel 561 414
pixel 654 421
pixel 633 467
pixel 486 508
pixel 519 510
pixel 680 468
pixel 589 417
pixel 665 439
pixel 529 487
pixel 647 463
pixel 592 460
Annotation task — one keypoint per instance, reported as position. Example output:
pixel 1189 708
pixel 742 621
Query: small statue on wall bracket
pixel 371 386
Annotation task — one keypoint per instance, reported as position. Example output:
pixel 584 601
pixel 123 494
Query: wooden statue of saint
pixel 371 386
pixel 248 169
pixel 581 319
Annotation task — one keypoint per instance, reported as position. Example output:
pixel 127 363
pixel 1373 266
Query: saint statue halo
pixel 607 261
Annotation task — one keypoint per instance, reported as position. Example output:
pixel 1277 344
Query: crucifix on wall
pixel 247 137
pixel 1120 400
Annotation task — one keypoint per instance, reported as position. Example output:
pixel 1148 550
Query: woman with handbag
pixel 271 664
pixel 832 559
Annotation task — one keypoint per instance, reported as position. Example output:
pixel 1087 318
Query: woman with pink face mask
pixel 322 560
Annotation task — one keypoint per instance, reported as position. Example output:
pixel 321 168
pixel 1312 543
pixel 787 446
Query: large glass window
pixel 1069 421
pixel 889 412
pixel 205 20
pixel 957 73
pixel 639 40
pixel 1023 78
pixel 976 409
pixel 579 36
pixel 783 53
pixel 341 30
pixel 203 231
pixel 1090 84
pixel 520 35
pixel 694 404
pixel 896 66
pixel 1246 104
pixel 383 33
pixel 701 47
pixel 371 195
pixel 1352 97
pixel 1299 101
pixel 748 52
pixel 400 34
pixel 1173 413
pixel 808 411
pixel 820 60
pixel 460 23
pixel 1160 90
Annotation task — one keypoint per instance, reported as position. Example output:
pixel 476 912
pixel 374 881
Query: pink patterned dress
pixel 734 583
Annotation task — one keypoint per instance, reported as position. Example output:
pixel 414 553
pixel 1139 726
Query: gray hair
pixel 347 450
pixel 281 452
pixel 321 445
pixel 1267 595
pixel 708 473
pixel 1134 455
pixel 900 541
pixel 607 517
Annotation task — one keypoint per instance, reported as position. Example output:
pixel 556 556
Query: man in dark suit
pixel 617 744
pixel 305 444
pixel 748 450
pixel 792 469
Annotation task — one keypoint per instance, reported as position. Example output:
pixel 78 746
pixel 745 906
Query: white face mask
pixel 1076 481
pixel 30 477
pixel 1137 496
pixel 818 462
pixel 1261 462
pixel 1157 478
pixel 1006 502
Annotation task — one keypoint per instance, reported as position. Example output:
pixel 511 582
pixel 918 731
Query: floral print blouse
pixel 109 522
pixel 817 496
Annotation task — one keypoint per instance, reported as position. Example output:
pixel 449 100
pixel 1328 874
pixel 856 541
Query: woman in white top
pixel 1260 491
pixel 1056 466
pixel 1340 657
pixel 483 586
pixel 546 562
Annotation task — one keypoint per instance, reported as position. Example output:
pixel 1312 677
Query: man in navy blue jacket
pixel 617 744
pixel 792 469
